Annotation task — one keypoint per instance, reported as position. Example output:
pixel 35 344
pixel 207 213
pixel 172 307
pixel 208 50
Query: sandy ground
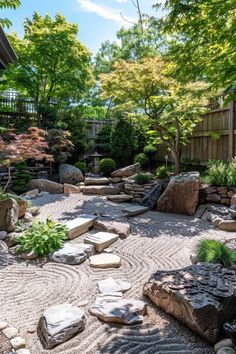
pixel 158 241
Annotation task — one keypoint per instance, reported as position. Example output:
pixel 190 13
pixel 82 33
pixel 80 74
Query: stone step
pixel 120 198
pixel 101 190
pixel 135 210
pixel 105 260
pixel 101 240
pixel 80 225
pixel 93 181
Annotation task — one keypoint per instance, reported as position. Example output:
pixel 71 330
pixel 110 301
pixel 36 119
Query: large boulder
pixel 202 296
pixel 9 212
pixel 181 195
pixel 127 171
pixel 59 323
pixel 44 185
pixel 70 174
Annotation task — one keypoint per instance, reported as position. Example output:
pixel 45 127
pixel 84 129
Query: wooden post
pixel 232 126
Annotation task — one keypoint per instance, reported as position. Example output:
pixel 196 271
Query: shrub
pixel 102 141
pixel 23 177
pixel 43 238
pixel 150 150
pixel 162 172
pixel 221 173
pixel 60 144
pixel 82 166
pixel 143 178
pixel 107 166
pixel 213 251
pixel 142 159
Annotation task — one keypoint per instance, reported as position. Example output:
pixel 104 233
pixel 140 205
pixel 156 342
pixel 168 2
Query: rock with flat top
pixel 80 225
pixel 135 210
pixel 59 323
pixel 105 260
pixel 44 185
pixel 227 225
pixel 101 240
pixel 69 254
pixel 71 189
pixel 113 309
pixel 202 296
pixel 122 229
pixel 110 285
pixel 94 181
pixel 120 198
pixel 127 171
pixel 101 190
pixel 70 174
pixel 181 195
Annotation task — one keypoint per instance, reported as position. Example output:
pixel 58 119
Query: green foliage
pixel 82 166
pixel 123 142
pixel 150 150
pixel 143 178
pixel 22 178
pixel 103 140
pixel 162 172
pixel 142 159
pixel 107 166
pixel 212 251
pixel 221 173
pixel 43 238
pixel 59 144
pixel 8 4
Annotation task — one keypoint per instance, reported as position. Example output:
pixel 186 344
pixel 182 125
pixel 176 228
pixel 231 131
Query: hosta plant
pixel 43 238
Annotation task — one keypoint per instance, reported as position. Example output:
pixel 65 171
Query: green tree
pixel 53 65
pixel 169 109
pixel 8 4
pixel 103 140
pixel 203 40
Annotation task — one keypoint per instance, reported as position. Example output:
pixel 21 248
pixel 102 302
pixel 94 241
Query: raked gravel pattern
pixel 158 241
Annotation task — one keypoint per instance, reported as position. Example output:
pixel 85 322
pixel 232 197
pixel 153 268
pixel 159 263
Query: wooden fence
pixel 214 138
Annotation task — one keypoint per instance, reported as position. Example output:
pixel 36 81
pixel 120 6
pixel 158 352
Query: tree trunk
pixel 176 157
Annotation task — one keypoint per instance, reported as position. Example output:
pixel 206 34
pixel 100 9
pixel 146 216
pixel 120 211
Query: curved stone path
pixel 158 241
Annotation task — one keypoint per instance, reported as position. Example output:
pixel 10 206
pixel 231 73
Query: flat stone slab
pixel 123 229
pixel 135 210
pixel 93 181
pixel 105 260
pixel 117 310
pixel 111 285
pixel 227 225
pixel 59 323
pixel 69 254
pixel 101 240
pixel 80 225
pixel 202 296
pixel 120 198
pixel 101 190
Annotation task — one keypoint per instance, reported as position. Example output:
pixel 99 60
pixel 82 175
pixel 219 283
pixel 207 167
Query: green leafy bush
pixel 19 185
pixel 221 173
pixel 143 178
pixel 212 251
pixel 142 159
pixel 107 166
pixel 103 140
pixel 82 166
pixel 43 238
pixel 162 172
pixel 150 150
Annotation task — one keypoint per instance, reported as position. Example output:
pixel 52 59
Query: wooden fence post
pixel 232 127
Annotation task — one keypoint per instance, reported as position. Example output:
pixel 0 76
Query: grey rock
pixel 59 323
pixel 127 171
pixel 44 185
pixel 11 239
pixel 9 214
pixel 226 350
pixel 200 211
pixel 111 285
pixel 218 209
pixel 232 211
pixel 112 308
pixel 3 235
pixel 70 174
pixel 135 210
pixel 152 197
pixel 223 343
pixel 69 254
pixel 120 198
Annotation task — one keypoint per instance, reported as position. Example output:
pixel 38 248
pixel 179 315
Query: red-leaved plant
pixel 21 147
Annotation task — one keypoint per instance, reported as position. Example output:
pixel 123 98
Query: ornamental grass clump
pixel 43 238
pixel 212 251
pixel 143 178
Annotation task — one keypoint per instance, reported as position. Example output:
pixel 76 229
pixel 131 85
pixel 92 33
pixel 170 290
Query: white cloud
pixel 121 0
pixel 104 11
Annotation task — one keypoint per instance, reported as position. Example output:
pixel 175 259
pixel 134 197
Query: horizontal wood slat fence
pixel 214 138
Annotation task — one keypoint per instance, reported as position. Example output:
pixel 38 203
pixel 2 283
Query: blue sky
pixel 98 20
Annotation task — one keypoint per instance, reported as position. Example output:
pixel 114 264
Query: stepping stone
pixel 18 342
pixel 91 181
pixel 117 310
pixel 135 210
pixel 101 190
pixel 69 254
pixel 122 229
pixel 101 240
pixel 80 225
pixel 105 260
pixel 110 285
pixel 59 323
pixel 120 198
